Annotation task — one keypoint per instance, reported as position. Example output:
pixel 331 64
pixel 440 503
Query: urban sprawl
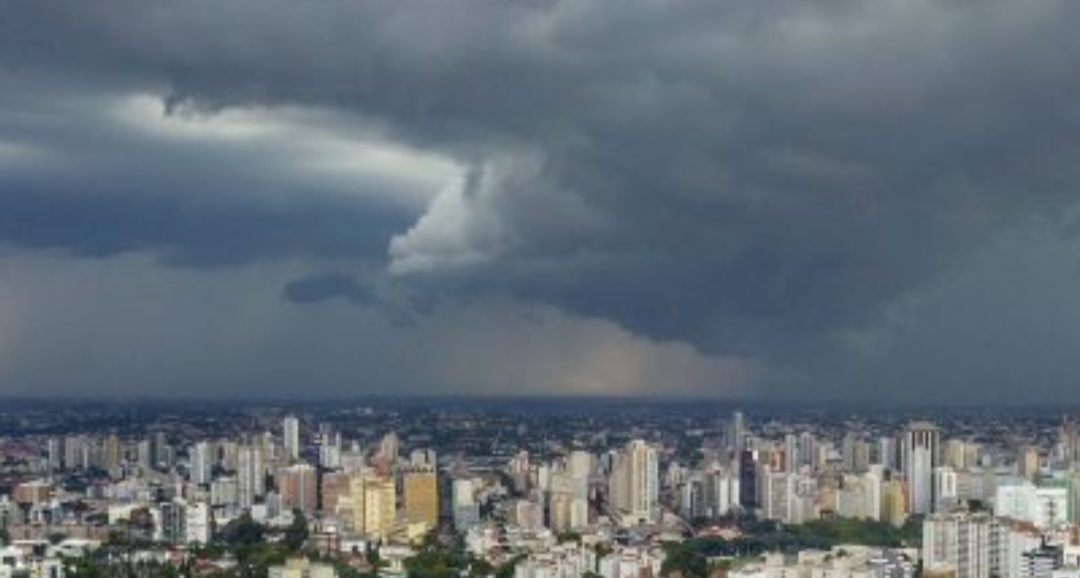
pixel 534 489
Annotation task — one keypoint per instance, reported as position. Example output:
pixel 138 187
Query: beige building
pixel 421 496
pixel 380 507
pixel 894 509
pixel 369 506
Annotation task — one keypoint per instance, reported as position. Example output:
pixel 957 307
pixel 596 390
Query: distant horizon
pixel 482 400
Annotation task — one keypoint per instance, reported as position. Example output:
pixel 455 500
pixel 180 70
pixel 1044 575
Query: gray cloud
pixel 133 327
pixel 763 180
pixel 326 286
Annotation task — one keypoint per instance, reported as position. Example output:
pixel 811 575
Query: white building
pixel 291 427
pixel 968 545
pixel 201 463
pixel 1045 507
pixel 250 476
pixel 197 523
pixel 920 456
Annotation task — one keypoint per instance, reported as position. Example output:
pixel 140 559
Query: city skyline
pixel 403 491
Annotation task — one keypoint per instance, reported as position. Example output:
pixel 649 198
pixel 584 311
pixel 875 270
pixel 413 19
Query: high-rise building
pixel 946 489
pixel 738 432
pixel 291 440
pixel 807 449
pixel 792 456
pixel 721 490
pixel 334 485
pixel 197 523
pixel 421 496
pixel 159 445
pixel 224 491
pixel 297 486
pixel 1027 463
pixel 144 454
pixel 921 455
pixel 634 483
pixel 463 501
pixel 76 453
pixel 330 451
pixel 113 452
pixel 1046 507
pixel 748 480
pixel 423 457
pixel 894 508
pixel 56 454
pixel 380 507
pixel 200 462
pixel 370 505
pixel 962 545
pixel 251 476
pixel 389 448
pixel 887 453
pixel 184 522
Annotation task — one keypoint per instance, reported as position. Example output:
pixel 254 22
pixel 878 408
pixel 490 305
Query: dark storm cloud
pixel 755 177
pixel 329 286
pixel 218 235
pixel 337 285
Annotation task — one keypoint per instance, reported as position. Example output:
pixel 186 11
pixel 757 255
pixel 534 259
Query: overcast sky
pixel 868 200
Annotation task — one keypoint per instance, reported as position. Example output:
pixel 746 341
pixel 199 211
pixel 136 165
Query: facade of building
pixel 920 456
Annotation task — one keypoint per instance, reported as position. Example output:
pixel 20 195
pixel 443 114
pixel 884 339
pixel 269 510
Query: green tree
pixel 296 534
pixel 684 558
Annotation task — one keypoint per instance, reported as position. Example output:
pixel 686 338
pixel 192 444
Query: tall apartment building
pixel 297 486
pixel 963 545
pixel 291 437
pixel 920 456
pixel 634 482
pixel 421 491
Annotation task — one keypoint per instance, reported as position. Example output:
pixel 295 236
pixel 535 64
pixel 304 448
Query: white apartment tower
pixel 292 438
pixel 920 455
pixel 251 476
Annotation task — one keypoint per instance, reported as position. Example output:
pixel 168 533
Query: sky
pixel 790 200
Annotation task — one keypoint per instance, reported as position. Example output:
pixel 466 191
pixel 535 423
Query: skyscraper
pixel 56 454
pixel 251 476
pixel 639 479
pixel 201 462
pixel 389 448
pixel 738 432
pixel 920 455
pixel 748 480
pixel 629 487
pixel 292 438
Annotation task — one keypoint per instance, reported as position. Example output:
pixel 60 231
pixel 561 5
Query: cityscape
pixel 539 289
pixel 556 488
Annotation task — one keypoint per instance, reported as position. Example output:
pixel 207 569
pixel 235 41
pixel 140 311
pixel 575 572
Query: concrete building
pixel 962 545
pixel 297 485
pixel 421 497
pixel 291 437
pixel 920 456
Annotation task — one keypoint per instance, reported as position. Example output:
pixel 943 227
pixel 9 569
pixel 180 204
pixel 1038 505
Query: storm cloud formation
pixel 773 198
